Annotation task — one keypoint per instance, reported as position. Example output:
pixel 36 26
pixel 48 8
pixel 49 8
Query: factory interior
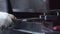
pixel 33 16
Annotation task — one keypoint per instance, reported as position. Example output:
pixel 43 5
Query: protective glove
pixel 6 20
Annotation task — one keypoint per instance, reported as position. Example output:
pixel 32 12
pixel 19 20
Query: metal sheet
pixel 29 5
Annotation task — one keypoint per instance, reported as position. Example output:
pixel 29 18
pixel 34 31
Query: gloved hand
pixel 6 20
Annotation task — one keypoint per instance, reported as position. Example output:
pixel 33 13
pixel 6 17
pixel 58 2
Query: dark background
pixel 54 4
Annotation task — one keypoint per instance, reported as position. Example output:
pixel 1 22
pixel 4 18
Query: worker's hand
pixel 6 20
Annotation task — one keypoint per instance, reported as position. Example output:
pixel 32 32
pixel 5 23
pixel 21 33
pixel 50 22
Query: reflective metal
pixel 29 5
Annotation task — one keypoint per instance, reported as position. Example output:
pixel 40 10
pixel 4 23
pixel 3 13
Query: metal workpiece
pixel 33 26
pixel 29 5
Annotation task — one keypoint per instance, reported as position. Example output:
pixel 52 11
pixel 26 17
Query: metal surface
pixel 33 25
pixel 29 5
pixel 3 5
pixel 30 31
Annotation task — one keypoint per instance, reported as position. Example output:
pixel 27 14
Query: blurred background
pixel 34 16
